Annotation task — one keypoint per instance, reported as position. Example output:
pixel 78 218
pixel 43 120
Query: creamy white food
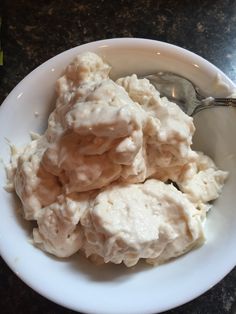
pixel 148 220
pixel 100 180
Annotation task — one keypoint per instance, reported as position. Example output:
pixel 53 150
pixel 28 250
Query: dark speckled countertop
pixel 34 31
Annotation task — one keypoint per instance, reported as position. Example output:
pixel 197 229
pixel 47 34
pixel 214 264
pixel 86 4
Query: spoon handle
pixel 225 102
pixel 213 102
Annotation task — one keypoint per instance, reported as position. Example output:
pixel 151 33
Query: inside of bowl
pixel 215 136
pixel 130 56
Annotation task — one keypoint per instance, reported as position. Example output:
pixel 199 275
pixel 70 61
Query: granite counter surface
pixel 34 31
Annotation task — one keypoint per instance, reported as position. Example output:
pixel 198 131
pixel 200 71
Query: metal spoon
pixel 183 92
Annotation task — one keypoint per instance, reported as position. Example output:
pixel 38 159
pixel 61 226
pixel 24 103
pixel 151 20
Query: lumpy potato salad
pixel 114 175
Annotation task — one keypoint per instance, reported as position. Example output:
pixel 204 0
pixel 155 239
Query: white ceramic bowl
pixel 76 283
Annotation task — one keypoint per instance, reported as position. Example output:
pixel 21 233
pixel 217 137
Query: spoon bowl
pixel 184 93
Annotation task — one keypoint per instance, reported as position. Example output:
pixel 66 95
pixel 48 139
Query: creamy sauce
pixel 98 179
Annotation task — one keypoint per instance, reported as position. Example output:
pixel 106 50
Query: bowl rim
pixel 131 42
